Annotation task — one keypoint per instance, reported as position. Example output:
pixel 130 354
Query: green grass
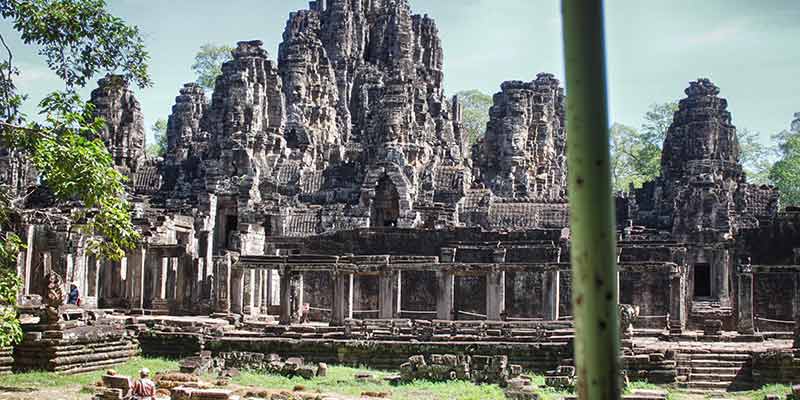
pixel 340 380
pixel 34 380
pixel 758 394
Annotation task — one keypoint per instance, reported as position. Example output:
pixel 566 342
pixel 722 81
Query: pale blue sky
pixel 749 48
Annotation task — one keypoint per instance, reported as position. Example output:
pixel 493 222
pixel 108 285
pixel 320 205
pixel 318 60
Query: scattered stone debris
pixel 450 367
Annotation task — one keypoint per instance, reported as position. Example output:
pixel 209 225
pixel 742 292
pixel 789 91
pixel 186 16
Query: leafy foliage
pixel 208 64
pixel 636 154
pixel 10 246
pixel 754 156
pixel 159 147
pixel 77 39
pixel 785 173
pixel 475 106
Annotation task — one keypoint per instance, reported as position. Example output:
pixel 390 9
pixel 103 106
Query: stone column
pixel 723 262
pixel 247 299
pixel 296 283
pixel 496 295
pixel 286 297
pixel 223 282
pixel 30 248
pixel 153 263
pixel 342 307
pixel 551 301
pixel 389 295
pixel 136 267
pixel 258 291
pixel 444 297
pixel 745 324
pixel 237 290
pixel 265 302
pixel 182 278
pixel 677 302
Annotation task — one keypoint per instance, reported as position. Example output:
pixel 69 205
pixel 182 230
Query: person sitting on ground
pixel 144 388
pixel 74 295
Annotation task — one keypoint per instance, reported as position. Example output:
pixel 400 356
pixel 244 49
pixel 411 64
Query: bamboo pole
pixel 593 247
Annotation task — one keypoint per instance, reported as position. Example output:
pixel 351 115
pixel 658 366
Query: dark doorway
pixel 385 205
pixel 702 280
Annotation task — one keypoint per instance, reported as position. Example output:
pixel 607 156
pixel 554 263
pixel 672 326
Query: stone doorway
pixel 386 204
pixel 702 281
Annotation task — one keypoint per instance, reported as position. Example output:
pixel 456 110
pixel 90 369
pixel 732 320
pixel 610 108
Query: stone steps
pixel 715 371
pixel 717 364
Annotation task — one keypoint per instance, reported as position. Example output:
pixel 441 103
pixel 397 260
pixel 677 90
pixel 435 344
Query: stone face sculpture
pixel 124 133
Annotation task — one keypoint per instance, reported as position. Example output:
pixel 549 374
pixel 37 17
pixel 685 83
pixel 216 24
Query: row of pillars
pixel 252 291
pixel 173 278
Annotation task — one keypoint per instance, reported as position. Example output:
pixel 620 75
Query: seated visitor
pixel 144 388
pixel 74 295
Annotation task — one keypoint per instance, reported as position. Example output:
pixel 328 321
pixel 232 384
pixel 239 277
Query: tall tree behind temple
pixel 785 174
pixel 755 157
pixel 65 148
pixel 208 64
pixel 475 105
pixel 159 146
pixel 636 153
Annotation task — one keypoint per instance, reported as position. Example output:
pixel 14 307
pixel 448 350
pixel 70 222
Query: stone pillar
pixel 723 277
pixel 342 307
pixel 153 263
pixel 444 297
pixel 223 282
pixel 30 248
pixel 745 324
pixel 286 297
pixel 551 281
pixel 389 295
pixel 496 296
pixel 136 267
pixel 296 285
pixel 163 277
pixel 677 302
pixel 247 299
pixel 259 291
pixel 237 290
pixel 265 274
pixel 182 279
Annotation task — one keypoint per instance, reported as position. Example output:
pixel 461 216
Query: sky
pixel 748 48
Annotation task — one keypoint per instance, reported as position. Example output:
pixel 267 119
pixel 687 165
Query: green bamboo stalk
pixel 593 251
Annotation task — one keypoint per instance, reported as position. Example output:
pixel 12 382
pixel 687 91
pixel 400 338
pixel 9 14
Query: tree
pixel 208 64
pixel 785 173
pixel 77 39
pixel 159 146
pixel 754 156
pixel 475 108
pixel 623 169
pixel 637 153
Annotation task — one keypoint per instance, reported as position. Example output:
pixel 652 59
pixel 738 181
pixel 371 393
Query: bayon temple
pixel 326 203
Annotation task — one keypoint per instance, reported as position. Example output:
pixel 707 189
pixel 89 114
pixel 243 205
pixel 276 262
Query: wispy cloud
pixel 32 74
pixel 722 33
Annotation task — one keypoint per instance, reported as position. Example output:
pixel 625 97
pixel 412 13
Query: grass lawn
pixel 341 381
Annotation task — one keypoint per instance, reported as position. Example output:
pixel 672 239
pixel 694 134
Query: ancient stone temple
pixel 326 198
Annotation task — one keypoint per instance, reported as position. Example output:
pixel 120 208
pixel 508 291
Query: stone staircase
pixel 715 371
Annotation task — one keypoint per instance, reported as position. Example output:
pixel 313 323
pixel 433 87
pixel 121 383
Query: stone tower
pixel 523 151
pixel 124 133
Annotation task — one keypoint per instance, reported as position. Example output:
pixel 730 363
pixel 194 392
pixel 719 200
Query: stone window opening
pixel 702 280
pixel 385 205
